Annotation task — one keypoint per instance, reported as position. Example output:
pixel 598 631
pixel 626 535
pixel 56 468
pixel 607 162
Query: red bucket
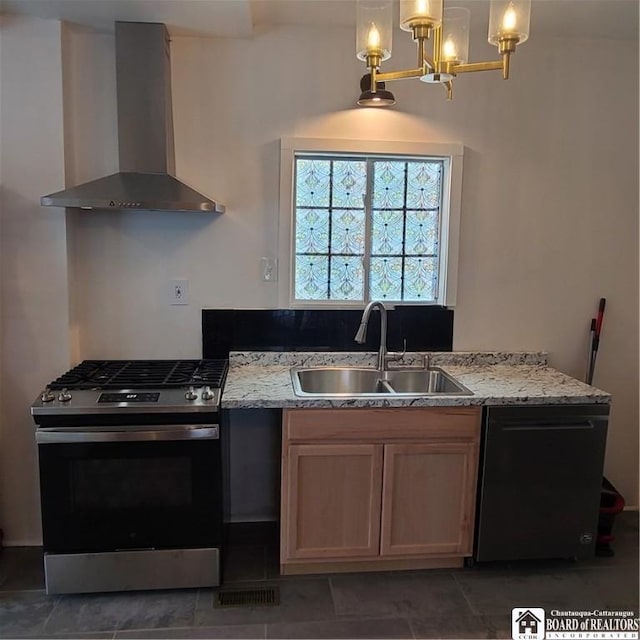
pixel 611 503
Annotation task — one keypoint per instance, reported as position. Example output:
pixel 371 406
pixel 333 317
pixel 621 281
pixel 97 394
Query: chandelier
pixel 447 28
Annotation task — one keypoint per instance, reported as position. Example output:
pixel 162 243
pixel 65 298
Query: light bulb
pixel 509 23
pixel 420 13
pixel 373 39
pixel 449 51
pixel 509 19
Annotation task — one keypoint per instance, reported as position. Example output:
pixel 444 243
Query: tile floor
pixel 463 603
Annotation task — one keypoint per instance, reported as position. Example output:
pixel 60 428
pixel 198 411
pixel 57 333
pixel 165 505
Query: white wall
pixel 33 293
pixel 549 211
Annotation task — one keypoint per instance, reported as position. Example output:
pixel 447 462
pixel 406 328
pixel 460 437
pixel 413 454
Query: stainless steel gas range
pixel 130 475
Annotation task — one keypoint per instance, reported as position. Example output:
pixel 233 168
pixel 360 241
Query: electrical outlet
pixel 179 291
pixel 269 269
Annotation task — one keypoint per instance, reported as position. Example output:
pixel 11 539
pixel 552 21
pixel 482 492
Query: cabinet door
pixel 331 501
pixel 428 499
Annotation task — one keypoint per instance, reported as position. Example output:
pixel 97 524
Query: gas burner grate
pixel 143 374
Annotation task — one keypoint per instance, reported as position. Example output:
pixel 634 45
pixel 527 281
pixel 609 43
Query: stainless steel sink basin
pixel 427 381
pixel 362 382
pixel 343 381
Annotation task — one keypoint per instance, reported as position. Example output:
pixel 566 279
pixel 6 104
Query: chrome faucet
pixel 361 334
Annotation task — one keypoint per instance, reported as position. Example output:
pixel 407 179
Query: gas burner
pixel 143 374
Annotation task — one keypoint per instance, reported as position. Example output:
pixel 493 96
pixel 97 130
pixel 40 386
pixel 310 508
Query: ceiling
pixel 617 19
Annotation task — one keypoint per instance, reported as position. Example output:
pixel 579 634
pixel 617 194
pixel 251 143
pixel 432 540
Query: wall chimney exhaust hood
pixel 145 134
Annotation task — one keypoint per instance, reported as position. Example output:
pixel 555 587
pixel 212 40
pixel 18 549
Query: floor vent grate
pixel 261 597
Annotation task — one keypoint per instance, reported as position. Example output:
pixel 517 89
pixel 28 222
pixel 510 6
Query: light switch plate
pixel 269 269
pixel 179 291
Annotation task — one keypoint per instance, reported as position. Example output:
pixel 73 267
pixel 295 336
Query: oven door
pixel 109 489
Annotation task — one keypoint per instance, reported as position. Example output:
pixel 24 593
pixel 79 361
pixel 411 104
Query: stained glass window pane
pixel 347 232
pixel 423 184
pixel 385 279
pixel 386 232
pixel 312 231
pixel 311 277
pixel 421 233
pixel 349 183
pixel 389 184
pixel 396 227
pixel 313 178
pixel 347 278
pixel 420 278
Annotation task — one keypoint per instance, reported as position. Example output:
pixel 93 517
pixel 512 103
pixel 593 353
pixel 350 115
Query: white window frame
pixel 449 220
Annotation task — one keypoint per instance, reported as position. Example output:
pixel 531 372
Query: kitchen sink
pixel 367 382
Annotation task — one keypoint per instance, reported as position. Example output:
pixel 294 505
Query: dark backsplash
pixel 223 330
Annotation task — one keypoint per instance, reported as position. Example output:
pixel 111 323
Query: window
pixel 369 225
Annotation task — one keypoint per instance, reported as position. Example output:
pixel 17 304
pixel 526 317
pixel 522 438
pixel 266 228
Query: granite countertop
pixel 262 380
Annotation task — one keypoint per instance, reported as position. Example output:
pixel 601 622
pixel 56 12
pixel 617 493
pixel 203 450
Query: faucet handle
pixel 394 356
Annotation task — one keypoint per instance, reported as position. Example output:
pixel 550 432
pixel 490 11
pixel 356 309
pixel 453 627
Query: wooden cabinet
pixel 373 489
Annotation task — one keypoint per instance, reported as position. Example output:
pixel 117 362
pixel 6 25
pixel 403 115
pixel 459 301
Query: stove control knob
pixel 47 395
pixel 64 396
pixel 207 394
pixel 191 394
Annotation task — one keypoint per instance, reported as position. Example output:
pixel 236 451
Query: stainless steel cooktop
pixel 135 386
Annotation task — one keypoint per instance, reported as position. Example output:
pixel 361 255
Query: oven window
pixel 130 495
pixel 131 482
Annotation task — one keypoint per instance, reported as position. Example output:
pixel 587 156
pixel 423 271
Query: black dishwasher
pixel 540 481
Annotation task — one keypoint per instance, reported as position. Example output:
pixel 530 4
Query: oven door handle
pixel 56 435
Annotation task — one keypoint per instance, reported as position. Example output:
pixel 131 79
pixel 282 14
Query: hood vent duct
pixel 145 134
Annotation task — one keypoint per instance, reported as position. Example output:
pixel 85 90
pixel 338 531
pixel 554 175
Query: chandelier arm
pixel 437 46
pixel 506 59
pixel 421 53
pixel 478 66
pixel 399 75
pixel 448 85
pixel 429 63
